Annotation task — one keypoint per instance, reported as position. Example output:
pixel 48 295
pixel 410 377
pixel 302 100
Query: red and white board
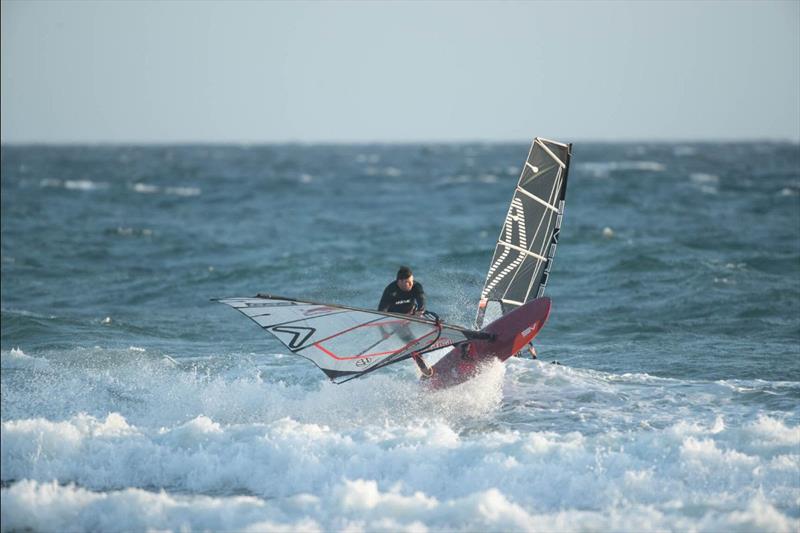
pixel 511 332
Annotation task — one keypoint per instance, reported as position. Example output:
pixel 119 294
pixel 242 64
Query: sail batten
pixel 550 153
pixel 537 199
pixel 528 238
pixel 522 250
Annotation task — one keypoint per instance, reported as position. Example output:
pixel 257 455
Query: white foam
pixel 702 177
pixel 454 180
pixel 526 445
pixel 368 158
pixel 357 505
pixel 84 185
pixel 145 188
pixel 285 457
pixel 684 151
pixel 17 359
pixel 184 191
pixel 602 169
pixel 393 172
pixel 127 232
pixel 768 433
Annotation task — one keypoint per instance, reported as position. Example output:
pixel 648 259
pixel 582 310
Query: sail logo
pixel 551 252
pixel 514 218
pixel 269 304
pixel 300 334
pixel 441 343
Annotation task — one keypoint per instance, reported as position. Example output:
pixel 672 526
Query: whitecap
pixel 50 182
pixel 684 151
pixel 368 158
pixel 145 188
pixel 184 191
pixel 603 169
pixel 128 232
pixel 366 504
pixel 454 180
pixel 393 172
pixel 439 460
pixel 769 432
pixel 702 177
pixel 16 359
pixel 84 185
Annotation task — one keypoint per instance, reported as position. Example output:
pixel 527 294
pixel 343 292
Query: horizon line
pixel 363 142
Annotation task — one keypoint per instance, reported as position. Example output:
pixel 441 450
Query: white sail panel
pixel 347 341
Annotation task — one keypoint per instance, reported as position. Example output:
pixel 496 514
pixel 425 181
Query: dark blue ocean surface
pixel 698 275
pixel 676 320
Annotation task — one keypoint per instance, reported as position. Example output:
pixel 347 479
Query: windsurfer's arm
pixel 385 302
pixel 420 298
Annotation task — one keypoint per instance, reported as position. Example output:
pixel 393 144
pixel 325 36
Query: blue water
pixel 676 323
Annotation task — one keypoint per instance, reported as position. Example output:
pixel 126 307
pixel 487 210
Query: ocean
pixel 666 395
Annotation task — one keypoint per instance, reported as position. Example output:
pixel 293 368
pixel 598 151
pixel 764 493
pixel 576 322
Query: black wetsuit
pixel 396 300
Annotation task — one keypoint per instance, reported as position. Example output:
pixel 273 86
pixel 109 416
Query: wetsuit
pixel 396 300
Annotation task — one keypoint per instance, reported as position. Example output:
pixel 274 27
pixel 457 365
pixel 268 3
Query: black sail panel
pixel 524 251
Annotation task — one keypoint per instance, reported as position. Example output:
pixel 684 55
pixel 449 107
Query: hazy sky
pixel 398 71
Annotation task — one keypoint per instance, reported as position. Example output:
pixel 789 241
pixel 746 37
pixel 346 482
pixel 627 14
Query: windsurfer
pixel 405 296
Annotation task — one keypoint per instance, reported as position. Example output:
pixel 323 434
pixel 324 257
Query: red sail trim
pixel 365 355
pixel 371 323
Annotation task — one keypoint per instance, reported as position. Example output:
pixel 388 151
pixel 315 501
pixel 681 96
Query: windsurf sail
pixel 347 342
pixel 524 251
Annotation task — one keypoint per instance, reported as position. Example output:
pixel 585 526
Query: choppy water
pixel 131 402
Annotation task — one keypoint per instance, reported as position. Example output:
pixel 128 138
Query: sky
pixel 249 72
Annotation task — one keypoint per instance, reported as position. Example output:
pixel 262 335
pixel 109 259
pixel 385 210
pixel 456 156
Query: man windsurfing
pixel 405 296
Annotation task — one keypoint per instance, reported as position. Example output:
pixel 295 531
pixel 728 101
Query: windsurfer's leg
pixel 532 350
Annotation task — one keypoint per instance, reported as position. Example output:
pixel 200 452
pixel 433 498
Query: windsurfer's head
pixel 405 278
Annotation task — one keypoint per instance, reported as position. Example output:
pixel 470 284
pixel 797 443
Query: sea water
pixel 130 401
